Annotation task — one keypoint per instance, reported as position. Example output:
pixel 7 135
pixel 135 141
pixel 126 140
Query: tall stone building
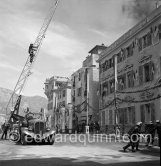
pixel 86 80
pixel 138 54
pixel 58 92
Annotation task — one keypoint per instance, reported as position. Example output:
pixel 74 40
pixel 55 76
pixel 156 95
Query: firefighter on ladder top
pixel 31 50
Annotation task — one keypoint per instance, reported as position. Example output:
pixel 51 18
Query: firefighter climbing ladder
pixel 26 72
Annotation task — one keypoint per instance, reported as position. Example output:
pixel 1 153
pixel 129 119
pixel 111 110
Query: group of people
pixel 135 131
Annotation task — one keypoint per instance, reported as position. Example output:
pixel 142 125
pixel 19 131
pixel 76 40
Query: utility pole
pixel 115 90
pixel 87 126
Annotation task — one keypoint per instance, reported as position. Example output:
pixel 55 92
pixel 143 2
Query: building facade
pixel 138 55
pixel 58 92
pixel 85 82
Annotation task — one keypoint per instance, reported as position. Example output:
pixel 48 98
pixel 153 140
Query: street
pixel 75 153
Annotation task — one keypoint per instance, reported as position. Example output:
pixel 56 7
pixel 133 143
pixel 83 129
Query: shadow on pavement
pixel 151 151
pixel 70 162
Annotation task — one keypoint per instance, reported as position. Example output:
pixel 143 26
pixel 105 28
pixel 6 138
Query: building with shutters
pixel 58 92
pixel 138 54
pixel 90 66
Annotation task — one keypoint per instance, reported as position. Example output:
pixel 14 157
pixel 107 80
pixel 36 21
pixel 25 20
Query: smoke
pixel 138 9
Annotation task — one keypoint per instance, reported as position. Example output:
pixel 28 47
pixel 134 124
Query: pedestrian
pixel 139 125
pixel 5 130
pixel 97 127
pixel 150 131
pixel 117 132
pixel 133 135
pixel 158 128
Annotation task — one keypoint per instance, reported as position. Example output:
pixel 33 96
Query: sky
pixel 77 26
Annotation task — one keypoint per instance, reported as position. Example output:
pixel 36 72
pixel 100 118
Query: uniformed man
pixel 134 137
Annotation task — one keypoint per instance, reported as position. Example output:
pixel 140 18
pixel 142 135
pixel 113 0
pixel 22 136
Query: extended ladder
pixel 26 72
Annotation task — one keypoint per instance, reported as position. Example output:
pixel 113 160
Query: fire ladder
pixel 26 72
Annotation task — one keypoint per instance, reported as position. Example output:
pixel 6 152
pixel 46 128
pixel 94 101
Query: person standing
pixel 151 133
pixel 158 128
pixel 5 130
pixel 139 125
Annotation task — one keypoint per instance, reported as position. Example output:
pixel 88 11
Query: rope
pixel 143 90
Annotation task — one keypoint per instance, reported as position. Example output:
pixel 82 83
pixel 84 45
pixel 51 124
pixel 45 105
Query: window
pixel 110 117
pixel 129 50
pixel 111 62
pixel 130 79
pixel 122 82
pixel 79 91
pixel 146 72
pixel 112 86
pixel 126 115
pixel 103 118
pixel 140 44
pixel 74 81
pixel 64 93
pixel 73 98
pixel 105 89
pixel 79 76
pixel 147 112
pixel 145 41
pixel 131 115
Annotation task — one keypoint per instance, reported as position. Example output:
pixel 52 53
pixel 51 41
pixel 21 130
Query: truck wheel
pixel 51 139
pixel 23 141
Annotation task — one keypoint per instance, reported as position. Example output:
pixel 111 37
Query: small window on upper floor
pixel 147 40
pixel 79 91
pixel 64 93
pixel 129 51
pixel 146 72
pixel 130 79
pixel 112 86
pixel 122 82
pixel 79 76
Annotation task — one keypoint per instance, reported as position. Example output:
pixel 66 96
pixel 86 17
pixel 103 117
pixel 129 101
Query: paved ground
pixel 63 152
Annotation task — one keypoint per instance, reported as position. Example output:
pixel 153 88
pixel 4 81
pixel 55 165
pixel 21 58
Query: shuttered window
pixel 140 75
